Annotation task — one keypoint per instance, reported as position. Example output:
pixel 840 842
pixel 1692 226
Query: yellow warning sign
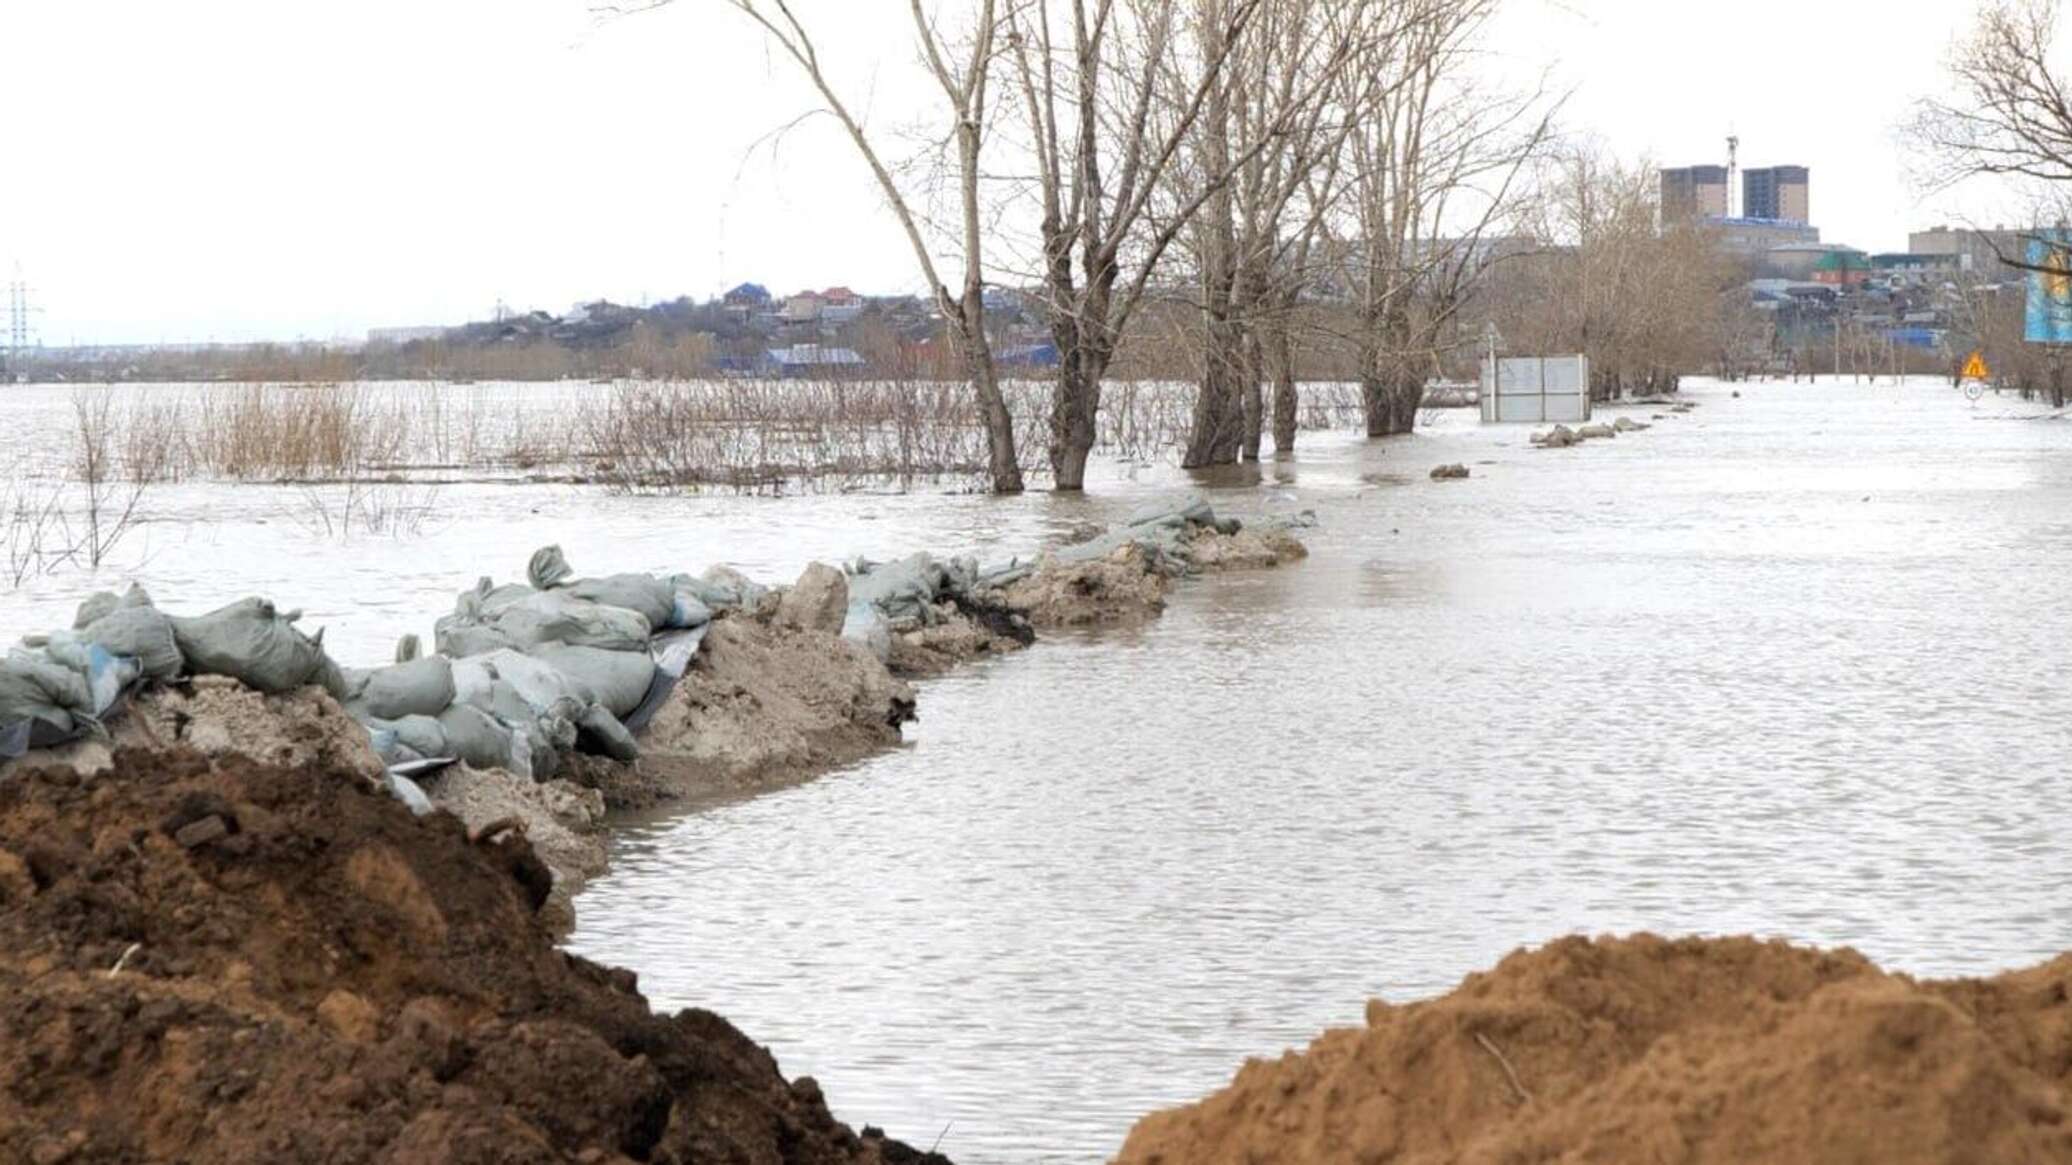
pixel 1975 368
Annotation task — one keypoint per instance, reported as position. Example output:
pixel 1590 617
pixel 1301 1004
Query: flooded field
pixel 1792 664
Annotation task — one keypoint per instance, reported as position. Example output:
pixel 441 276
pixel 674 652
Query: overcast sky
pixel 274 169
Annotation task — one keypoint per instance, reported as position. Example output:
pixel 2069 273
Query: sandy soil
pixel 1642 1050
pixel 1119 590
pixel 762 704
pixel 217 960
pixel 221 717
pixel 1251 548
pixel 955 638
pixel 563 821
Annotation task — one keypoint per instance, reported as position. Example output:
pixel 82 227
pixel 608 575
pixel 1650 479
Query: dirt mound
pixel 761 704
pixel 954 638
pixel 1118 590
pixel 217 960
pixel 563 821
pixel 222 717
pixel 1647 1050
pixel 1250 548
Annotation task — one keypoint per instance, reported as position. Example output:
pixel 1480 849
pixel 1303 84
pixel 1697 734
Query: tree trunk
pixel 1005 470
pixel 1219 408
pixel 1286 404
pixel 1254 398
pixel 1073 413
pixel 1391 383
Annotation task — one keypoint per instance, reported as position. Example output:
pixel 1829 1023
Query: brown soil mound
pixel 1648 1050
pixel 563 821
pixel 761 704
pixel 955 638
pixel 225 961
pixel 1251 548
pixel 1119 590
pixel 221 717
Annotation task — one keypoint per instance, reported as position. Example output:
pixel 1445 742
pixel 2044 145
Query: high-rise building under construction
pixel 1694 192
pixel 1776 192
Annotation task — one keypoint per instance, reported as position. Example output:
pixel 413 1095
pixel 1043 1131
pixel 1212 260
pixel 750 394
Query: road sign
pixel 1975 368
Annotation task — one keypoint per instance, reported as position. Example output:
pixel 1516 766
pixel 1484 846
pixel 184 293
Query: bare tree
pixel 1273 125
pixel 1090 77
pixel 2012 117
pixel 964 75
pixel 1643 302
pixel 1432 169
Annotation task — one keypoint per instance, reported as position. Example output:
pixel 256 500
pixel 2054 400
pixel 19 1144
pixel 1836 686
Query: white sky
pixel 273 169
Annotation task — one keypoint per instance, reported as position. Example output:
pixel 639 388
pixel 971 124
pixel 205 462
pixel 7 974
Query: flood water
pixel 1793 664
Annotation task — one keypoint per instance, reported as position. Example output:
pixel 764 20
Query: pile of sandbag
pixel 909 592
pixel 57 688
pixel 523 673
pixel 527 671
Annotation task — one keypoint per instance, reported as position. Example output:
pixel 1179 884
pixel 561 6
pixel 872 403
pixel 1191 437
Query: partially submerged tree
pixel 1255 246
pixel 1088 77
pixel 1643 302
pixel 1431 171
pixel 963 73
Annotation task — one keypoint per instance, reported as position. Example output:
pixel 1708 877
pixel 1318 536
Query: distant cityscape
pixel 1812 291
pixel 1812 288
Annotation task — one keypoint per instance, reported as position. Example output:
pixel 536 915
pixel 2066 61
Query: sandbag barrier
pixel 524 673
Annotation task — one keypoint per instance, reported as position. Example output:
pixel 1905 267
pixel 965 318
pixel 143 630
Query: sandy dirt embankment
pixel 1643 1050
pixel 211 959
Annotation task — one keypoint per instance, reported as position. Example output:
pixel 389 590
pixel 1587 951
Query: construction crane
pixel 1733 150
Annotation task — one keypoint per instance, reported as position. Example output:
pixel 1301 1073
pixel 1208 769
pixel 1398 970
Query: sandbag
pixel 473 736
pixel 616 679
pixel 422 735
pixel 548 568
pixel 143 633
pixel 477 684
pixel 653 598
pixel 908 588
pixel 600 734
pixel 421 687
pixel 101 604
pixel 35 688
pixel 726 587
pixel 867 627
pixel 251 643
pixel 537 682
pixel 459 639
pixel 558 617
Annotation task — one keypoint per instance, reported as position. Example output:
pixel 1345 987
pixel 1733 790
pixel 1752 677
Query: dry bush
pixel 297 432
pixel 752 436
pixel 773 436
pixel 31 535
pixel 391 509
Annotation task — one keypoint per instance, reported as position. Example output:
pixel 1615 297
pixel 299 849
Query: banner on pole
pixel 2050 288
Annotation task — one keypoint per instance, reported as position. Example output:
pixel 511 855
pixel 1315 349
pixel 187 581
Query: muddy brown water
pixel 1793 664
